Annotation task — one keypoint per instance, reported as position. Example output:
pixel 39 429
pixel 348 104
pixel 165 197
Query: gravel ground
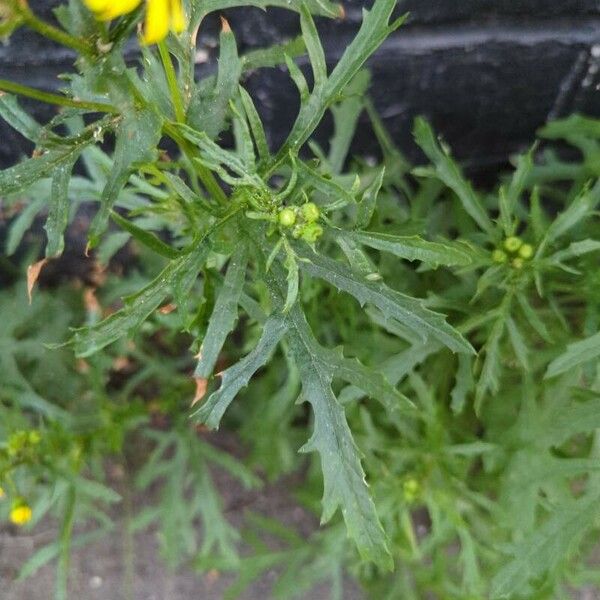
pixel 98 571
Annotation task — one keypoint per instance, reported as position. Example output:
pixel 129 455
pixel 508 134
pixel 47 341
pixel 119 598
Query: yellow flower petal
pixel 157 21
pixel 178 20
pixel 97 6
pixel 21 514
pixel 106 10
pixel 161 15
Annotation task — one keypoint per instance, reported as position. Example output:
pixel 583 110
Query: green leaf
pixel 293 277
pixel 47 553
pixel 395 163
pixel 392 304
pixel 222 161
pixel 415 248
pixel 358 259
pixel 325 185
pixel 298 78
pixel 577 353
pixel 21 176
pixel 509 198
pixel 317 7
pixel 374 29
pixel 315 51
pixel 575 250
pixel 225 313
pixel 543 550
pixel 573 126
pixel 518 343
pixel 17 118
pixel 258 132
pixel 373 383
pixel 581 207
pixel 273 56
pixel 344 479
pixel 238 376
pixel 448 171
pixel 533 318
pixel 537 216
pixel 209 108
pixel 368 201
pixel 489 380
pixel 145 237
pixel 244 144
pixel 186 194
pixel 23 222
pixel 345 118
pixel 136 139
pixel 58 212
pixel 140 306
pixel 464 385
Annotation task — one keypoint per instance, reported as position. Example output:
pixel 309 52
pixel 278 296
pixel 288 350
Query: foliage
pixel 431 348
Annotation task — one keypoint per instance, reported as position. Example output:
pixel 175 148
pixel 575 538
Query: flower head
pixel 20 513
pixel 162 16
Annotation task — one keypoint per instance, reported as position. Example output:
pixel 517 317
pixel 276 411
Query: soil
pixel 99 572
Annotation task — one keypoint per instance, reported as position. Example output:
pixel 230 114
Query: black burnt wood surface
pixel 487 73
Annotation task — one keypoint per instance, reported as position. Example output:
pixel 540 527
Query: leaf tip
pixel 225 27
pixel 201 386
pixel 33 273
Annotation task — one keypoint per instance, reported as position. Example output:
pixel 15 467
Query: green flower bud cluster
pixel 513 250
pixel 302 220
pixel 411 489
pixel 22 442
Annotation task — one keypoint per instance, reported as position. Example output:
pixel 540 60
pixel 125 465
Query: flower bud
pixel 411 489
pixel 286 217
pixel 526 251
pixel 512 244
pixel 311 212
pixel 312 232
pixel 499 256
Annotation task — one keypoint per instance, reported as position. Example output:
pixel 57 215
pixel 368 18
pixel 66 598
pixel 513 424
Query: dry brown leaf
pixel 91 302
pixel 201 385
pixel 225 28
pixel 167 309
pixel 33 272
pixel 121 363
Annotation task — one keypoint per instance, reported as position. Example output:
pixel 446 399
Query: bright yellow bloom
pixel 162 16
pixel 21 513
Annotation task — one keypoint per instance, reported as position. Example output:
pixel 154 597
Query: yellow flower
pixel 162 16
pixel 20 513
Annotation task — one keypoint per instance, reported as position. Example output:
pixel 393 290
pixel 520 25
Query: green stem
pixel 205 175
pixel 172 82
pixel 50 98
pixel 53 33
pixel 66 531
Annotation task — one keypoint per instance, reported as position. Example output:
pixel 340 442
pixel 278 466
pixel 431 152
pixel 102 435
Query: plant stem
pixel 172 82
pixel 53 33
pixel 205 175
pixel 66 530
pixel 50 98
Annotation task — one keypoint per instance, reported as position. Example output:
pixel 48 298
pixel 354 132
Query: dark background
pixel 487 73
